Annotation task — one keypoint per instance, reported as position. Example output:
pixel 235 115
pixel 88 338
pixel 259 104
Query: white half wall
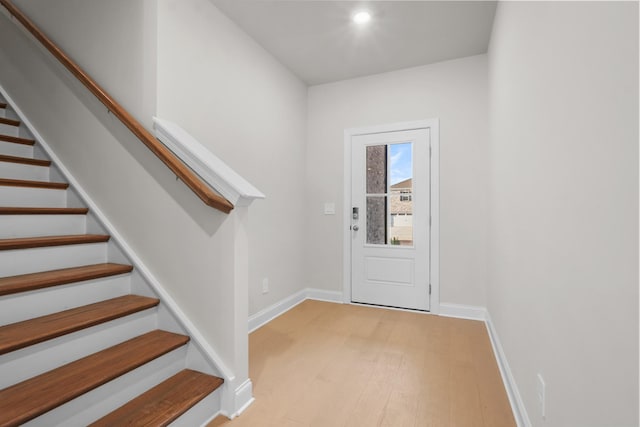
pixel 231 95
pixel 563 288
pixel 455 92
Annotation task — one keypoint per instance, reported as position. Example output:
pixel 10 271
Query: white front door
pixel 390 211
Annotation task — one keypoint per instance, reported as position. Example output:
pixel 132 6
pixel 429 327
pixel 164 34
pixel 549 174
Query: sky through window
pixel 400 159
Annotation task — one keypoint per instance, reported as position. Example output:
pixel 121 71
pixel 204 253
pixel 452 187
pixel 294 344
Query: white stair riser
pixel 18 150
pixel 201 413
pixel 12 226
pixel 8 130
pixel 10 114
pixel 25 172
pixel 32 197
pixel 24 261
pixel 93 405
pixel 3 112
pixel 34 360
pixel 27 305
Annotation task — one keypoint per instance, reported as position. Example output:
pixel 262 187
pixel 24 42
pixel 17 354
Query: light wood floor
pixel 325 365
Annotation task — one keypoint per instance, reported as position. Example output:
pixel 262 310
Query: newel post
pixel 239 392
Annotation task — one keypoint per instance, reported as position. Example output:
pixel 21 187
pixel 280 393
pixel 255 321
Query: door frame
pixel 434 233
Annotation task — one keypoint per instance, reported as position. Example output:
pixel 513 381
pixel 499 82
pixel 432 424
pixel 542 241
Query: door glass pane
pixel 376 220
pixel 376 169
pixel 401 194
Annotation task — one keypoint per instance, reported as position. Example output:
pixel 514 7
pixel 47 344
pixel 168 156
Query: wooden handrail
pixel 192 180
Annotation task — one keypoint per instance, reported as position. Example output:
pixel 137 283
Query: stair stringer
pixel 200 354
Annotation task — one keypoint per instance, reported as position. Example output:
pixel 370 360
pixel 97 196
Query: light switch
pixel 329 208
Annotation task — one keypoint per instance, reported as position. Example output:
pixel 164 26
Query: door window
pixel 389 194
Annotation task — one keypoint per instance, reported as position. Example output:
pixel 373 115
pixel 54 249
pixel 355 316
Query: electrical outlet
pixel 542 398
pixel 265 285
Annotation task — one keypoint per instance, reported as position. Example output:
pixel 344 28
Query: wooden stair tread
pixel 165 402
pixel 29 282
pixel 33 184
pixel 28 332
pixel 24 160
pixel 17 140
pixel 26 400
pixel 42 211
pixel 46 241
pixel 9 122
pixel 3 105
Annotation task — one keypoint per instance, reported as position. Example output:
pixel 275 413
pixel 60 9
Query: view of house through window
pixel 389 187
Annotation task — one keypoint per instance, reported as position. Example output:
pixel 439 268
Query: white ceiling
pixel 318 41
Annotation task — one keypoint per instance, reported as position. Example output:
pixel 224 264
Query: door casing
pixel 434 253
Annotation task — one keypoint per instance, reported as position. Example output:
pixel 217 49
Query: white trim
pixel 207 165
pixel 211 418
pixel 469 312
pixel 434 230
pixel 517 405
pixel 346 221
pixel 266 315
pixel 242 399
pixel 461 311
pixel 146 274
pixel 324 295
pixel 434 252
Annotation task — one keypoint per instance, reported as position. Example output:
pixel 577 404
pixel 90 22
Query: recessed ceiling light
pixel 362 17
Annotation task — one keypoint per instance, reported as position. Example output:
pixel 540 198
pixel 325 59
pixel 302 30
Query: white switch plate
pixel 265 285
pixel 329 208
pixel 541 391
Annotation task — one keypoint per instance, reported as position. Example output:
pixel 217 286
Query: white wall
pixel 563 290
pixel 114 41
pixel 456 93
pixel 224 89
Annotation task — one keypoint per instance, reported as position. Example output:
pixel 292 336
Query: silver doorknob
pixel 355 228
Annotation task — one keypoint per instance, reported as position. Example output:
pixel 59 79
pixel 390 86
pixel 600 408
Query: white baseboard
pixel 461 311
pixel 268 314
pixel 481 313
pixel 324 295
pixel 211 418
pixel 517 405
pixel 242 397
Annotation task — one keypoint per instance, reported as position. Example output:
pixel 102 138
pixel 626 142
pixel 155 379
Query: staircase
pixel 84 339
